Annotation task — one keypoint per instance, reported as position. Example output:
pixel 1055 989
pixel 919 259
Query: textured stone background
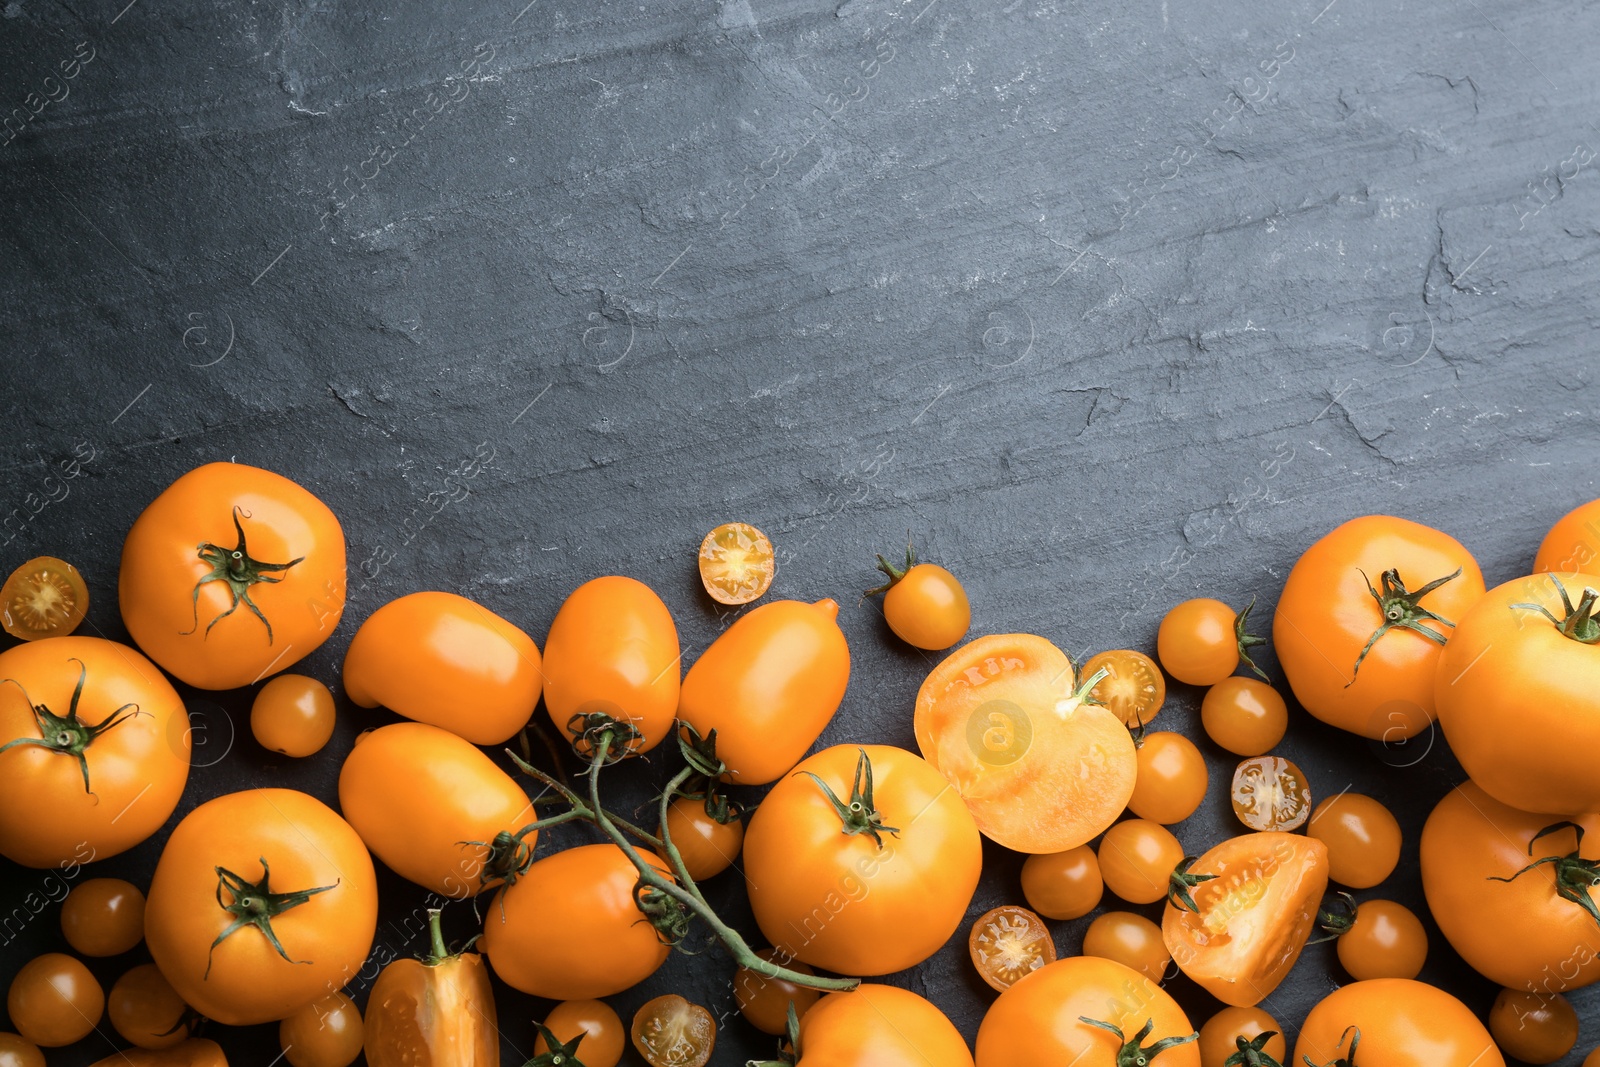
pixel 1108 304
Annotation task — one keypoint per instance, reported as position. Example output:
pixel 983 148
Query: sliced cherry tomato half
pixel 1270 793
pixel 737 563
pixel 45 597
pixel 1009 943
pixel 1134 687
pixel 671 1032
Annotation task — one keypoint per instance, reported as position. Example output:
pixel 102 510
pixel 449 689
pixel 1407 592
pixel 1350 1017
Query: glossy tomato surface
pixel 1402 1023
pixel 879 1026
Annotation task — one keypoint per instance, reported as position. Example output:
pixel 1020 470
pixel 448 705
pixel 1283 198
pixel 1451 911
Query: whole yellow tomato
pixel 1395 1022
pixel 879 1026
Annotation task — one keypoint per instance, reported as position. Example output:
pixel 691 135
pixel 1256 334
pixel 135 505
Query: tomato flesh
pixel 737 563
pixel 1270 793
pixel 1009 943
pixel 671 1032
pixel 1134 689
pixel 45 597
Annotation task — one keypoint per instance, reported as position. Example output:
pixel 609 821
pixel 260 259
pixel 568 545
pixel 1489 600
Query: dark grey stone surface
pixel 1109 304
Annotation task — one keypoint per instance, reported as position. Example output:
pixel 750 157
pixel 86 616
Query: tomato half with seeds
pixel 1219 1036
pixel 1246 716
pixel 879 1026
pixel 1395 1022
pixel 1533 1027
pixel 1063 885
pixel 1171 779
pixel 103 917
pixel 262 901
pixel 1363 617
pixel 765 1002
pixel 328 1032
pixel 737 563
pixel 54 1000
pixel 264 589
pixel 707 845
pixel 1255 900
pixel 1270 793
pixel 94 750
pixel 924 604
pixel 1363 839
pixel 1573 544
pixel 591 1024
pixel 1040 767
pixel 447 661
pixel 1009 943
pixel 1131 940
pixel 1133 687
pixel 437 1008
pixel 45 597
pixel 669 1031
pixel 145 1009
pixel 1087 1011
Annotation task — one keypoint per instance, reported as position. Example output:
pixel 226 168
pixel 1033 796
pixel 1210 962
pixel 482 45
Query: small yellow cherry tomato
pixel 328 1032
pixel 293 715
pixel 924 604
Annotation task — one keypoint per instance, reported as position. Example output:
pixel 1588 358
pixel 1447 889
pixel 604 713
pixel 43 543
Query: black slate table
pixel 1107 304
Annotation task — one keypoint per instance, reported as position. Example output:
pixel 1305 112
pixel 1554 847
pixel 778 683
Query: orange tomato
pixel 862 862
pixel 1270 793
pixel 195 1052
pixel 1137 858
pixel 1040 768
pixel 1382 592
pixel 1381 939
pixel 1040 1021
pixel 1219 1037
pixel 18 1051
pixel 1063 885
pixel 924 604
pixel 145 1009
pixel 602 1032
pixel 441 659
pixel 1131 940
pixel 1009 943
pixel 262 901
pixel 432 807
pixel 613 649
pixel 229 613
pixel 1201 641
pixel 438 1009
pixel 96 750
pixel 103 917
pixel 1363 839
pixel 1533 1027
pixel 45 597
pixel 764 1002
pixel 706 846
pixel 1573 544
pixel 668 1031
pixel 879 1026
pixel 1246 716
pixel 293 715
pixel 325 1033
pixel 1133 688
pixel 768 686
pixel 1171 779
pixel 737 563
pixel 1255 912
pixel 54 1000
pixel 1398 1023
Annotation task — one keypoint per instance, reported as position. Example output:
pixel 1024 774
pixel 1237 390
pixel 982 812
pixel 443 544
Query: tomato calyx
pixel 1134 1052
pixel 1349 1058
pixel 894 573
pixel 1575 876
pixel 1180 882
pixel 560 1054
pixel 1337 923
pixel 67 734
pixel 700 753
pixel 860 815
pixel 1578 623
pixel 1246 640
pixel 255 904
pixel 588 728
pixel 236 567
pixel 1400 611
pixel 788 1045
pixel 1253 1051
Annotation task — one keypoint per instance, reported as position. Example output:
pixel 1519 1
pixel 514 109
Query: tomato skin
pixel 1520 703
pixel 18 1051
pixel 927 608
pixel 306 846
pixel 103 917
pixel 432 1013
pixel 293 715
pixel 1063 885
pixel 888 906
pixel 1518 934
pixel 601 1028
pixel 1533 1027
pixel 1171 780
pixel 418 795
pixel 282 521
pixel 706 846
pixel 1387 941
pixel 444 660
pixel 1403 1023
pixel 764 1002
pixel 1573 544
pixel 54 1000
pixel 47 819
pixel 1196 642
pixel 1036 1023
pixel 568 929
pixel 1246 716
pixel 879 1026
pixel 1363 839
pixel 1326 614
pixel 613 648
pixel 1129 939
pixel 325 1033
pixel 769 686
pixel 145 1009
pixel 1136 858
pixel 1217 1036
pixel 195 1052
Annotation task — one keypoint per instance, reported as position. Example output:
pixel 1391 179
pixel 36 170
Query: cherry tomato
pixel 1362 618
pixel 1131 940
pixel 768 686
pixel 95 750
pixel 924 604
pixel 1008 944
pixel 1137 858
pixel 1133 688
pixel 568 928
pixel 103 917
pixel 821 840
pixel 1573 544
pixel 1593 1058
pixel 228 613
pixel 1063 885
pixel 325 1033
pixel 45 597
pixel 195 1052
pixel 1363 839
pixel 1246 716
pixel 1378 939
pixel 1519 693
pixel 54 1000
pixel 145 1009
pixel 18 1051
pixel 1201 641
pixel 1254 914
pixel 441 659
pixel 764 1002
pixel 1270 793
pixel 1172 778
pixel 1042 1022
pixel 438 1009
pixel 671 1032
pixel 1396 1022
pixel 1219 1037
pixel 706 846
pixel 737 563
pixel 613 648
pixel 1040 768
pixel 880 1026
pixel 433 808
pixel 293 715
pixel 602 1033
pixel 1533 1027
pixel 250 882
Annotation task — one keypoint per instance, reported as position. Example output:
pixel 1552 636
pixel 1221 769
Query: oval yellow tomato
pixel 1395 1022
pixel 880 1026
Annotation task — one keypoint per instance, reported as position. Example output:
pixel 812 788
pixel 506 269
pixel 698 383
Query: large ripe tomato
pixel 96 750
pixel 1040 1021
pixel 1396 1022
pixel 1041 768
pixel 438 1009
pixel 569 929
pixel 1254 913
pixel 769 686
pixel 1383 593
pixel 262 901
pixel 879 1026
pixel 194 1052
pixel 1523 933
pixel 1519 693
pixel 865 868
pixel 613 649
pixel 1573 544
pixel 263 589
pixel 431 807
pixel 444 660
